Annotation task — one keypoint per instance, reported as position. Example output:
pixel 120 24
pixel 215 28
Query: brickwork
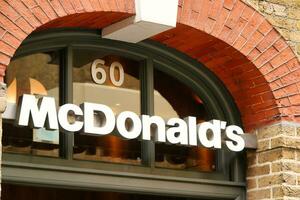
pixel 284 15
pixel 283 177
pixel 274 168
pixel 252 59
pixel 18 18
pixel 250 56
pixel 233 39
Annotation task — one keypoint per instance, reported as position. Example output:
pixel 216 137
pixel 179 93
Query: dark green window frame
pixel 216 98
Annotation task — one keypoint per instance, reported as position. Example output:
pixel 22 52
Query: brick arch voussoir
pixel 233 22
pixel 20 18
pixel 245 29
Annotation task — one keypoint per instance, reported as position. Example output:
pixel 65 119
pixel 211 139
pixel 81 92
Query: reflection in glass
pixel 36 74
pixel 174 99
pixel 125 97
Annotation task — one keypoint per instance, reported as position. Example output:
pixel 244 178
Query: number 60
pixel 97 69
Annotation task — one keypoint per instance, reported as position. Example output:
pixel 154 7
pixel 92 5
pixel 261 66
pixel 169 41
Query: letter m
pixel 37 113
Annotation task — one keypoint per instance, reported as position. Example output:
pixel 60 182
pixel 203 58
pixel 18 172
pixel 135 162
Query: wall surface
pixel 284 15
pixel 274 169
pixel 258 62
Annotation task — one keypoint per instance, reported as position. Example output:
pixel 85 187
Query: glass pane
pixel 36 74
pixel 174 99
pixel 106 84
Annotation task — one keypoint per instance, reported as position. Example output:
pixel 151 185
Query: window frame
pixel 151 55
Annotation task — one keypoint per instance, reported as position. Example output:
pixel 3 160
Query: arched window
pixel 77 66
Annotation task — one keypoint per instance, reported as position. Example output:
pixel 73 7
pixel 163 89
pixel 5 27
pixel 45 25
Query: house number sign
pixel 99 75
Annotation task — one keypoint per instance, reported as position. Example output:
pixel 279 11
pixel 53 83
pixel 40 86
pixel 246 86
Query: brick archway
pixel 246 52
pixel 229 37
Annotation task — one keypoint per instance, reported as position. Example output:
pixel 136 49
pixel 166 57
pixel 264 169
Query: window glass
pixel 174 99
pixel 99 77
pixel 36 74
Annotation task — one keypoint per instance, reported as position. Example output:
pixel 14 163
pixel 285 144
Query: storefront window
pixel 174 99
pixel 112 80
pixel 142 78
pixel 36 74
pixel 104 78
pixel 154 83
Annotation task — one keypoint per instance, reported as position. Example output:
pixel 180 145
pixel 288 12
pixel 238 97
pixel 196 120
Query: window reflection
pixel 174 99
pixel 36 74
pixel 125 97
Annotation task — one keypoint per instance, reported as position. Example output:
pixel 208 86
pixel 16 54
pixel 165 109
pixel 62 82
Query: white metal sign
pixel 99 119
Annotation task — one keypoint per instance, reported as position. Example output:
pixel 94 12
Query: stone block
pixel 251 158
pixel 270 180
pixel 263 145
pixel 282 178
pixel 279 10
pixel 291 142
pixel 276 130
pixel 277 192
pixel 259 194
pixel 291 191
pixel 276 167
pixel 251 183
pixel 276 154
pixel 258 170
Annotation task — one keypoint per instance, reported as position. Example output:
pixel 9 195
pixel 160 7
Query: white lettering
pixel 112 70
pixel 34 116
pixel 237 143
pixel 129 125
pixel 98 119
pixel 63 117
pixel 154 125
pixel 179 133
pixel 96 71
pixel 209 133
pixel 99 74
pixel 192 130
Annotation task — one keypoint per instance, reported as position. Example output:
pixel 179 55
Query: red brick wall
pixel 18 18
pixel 246 52
pixel 229 37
